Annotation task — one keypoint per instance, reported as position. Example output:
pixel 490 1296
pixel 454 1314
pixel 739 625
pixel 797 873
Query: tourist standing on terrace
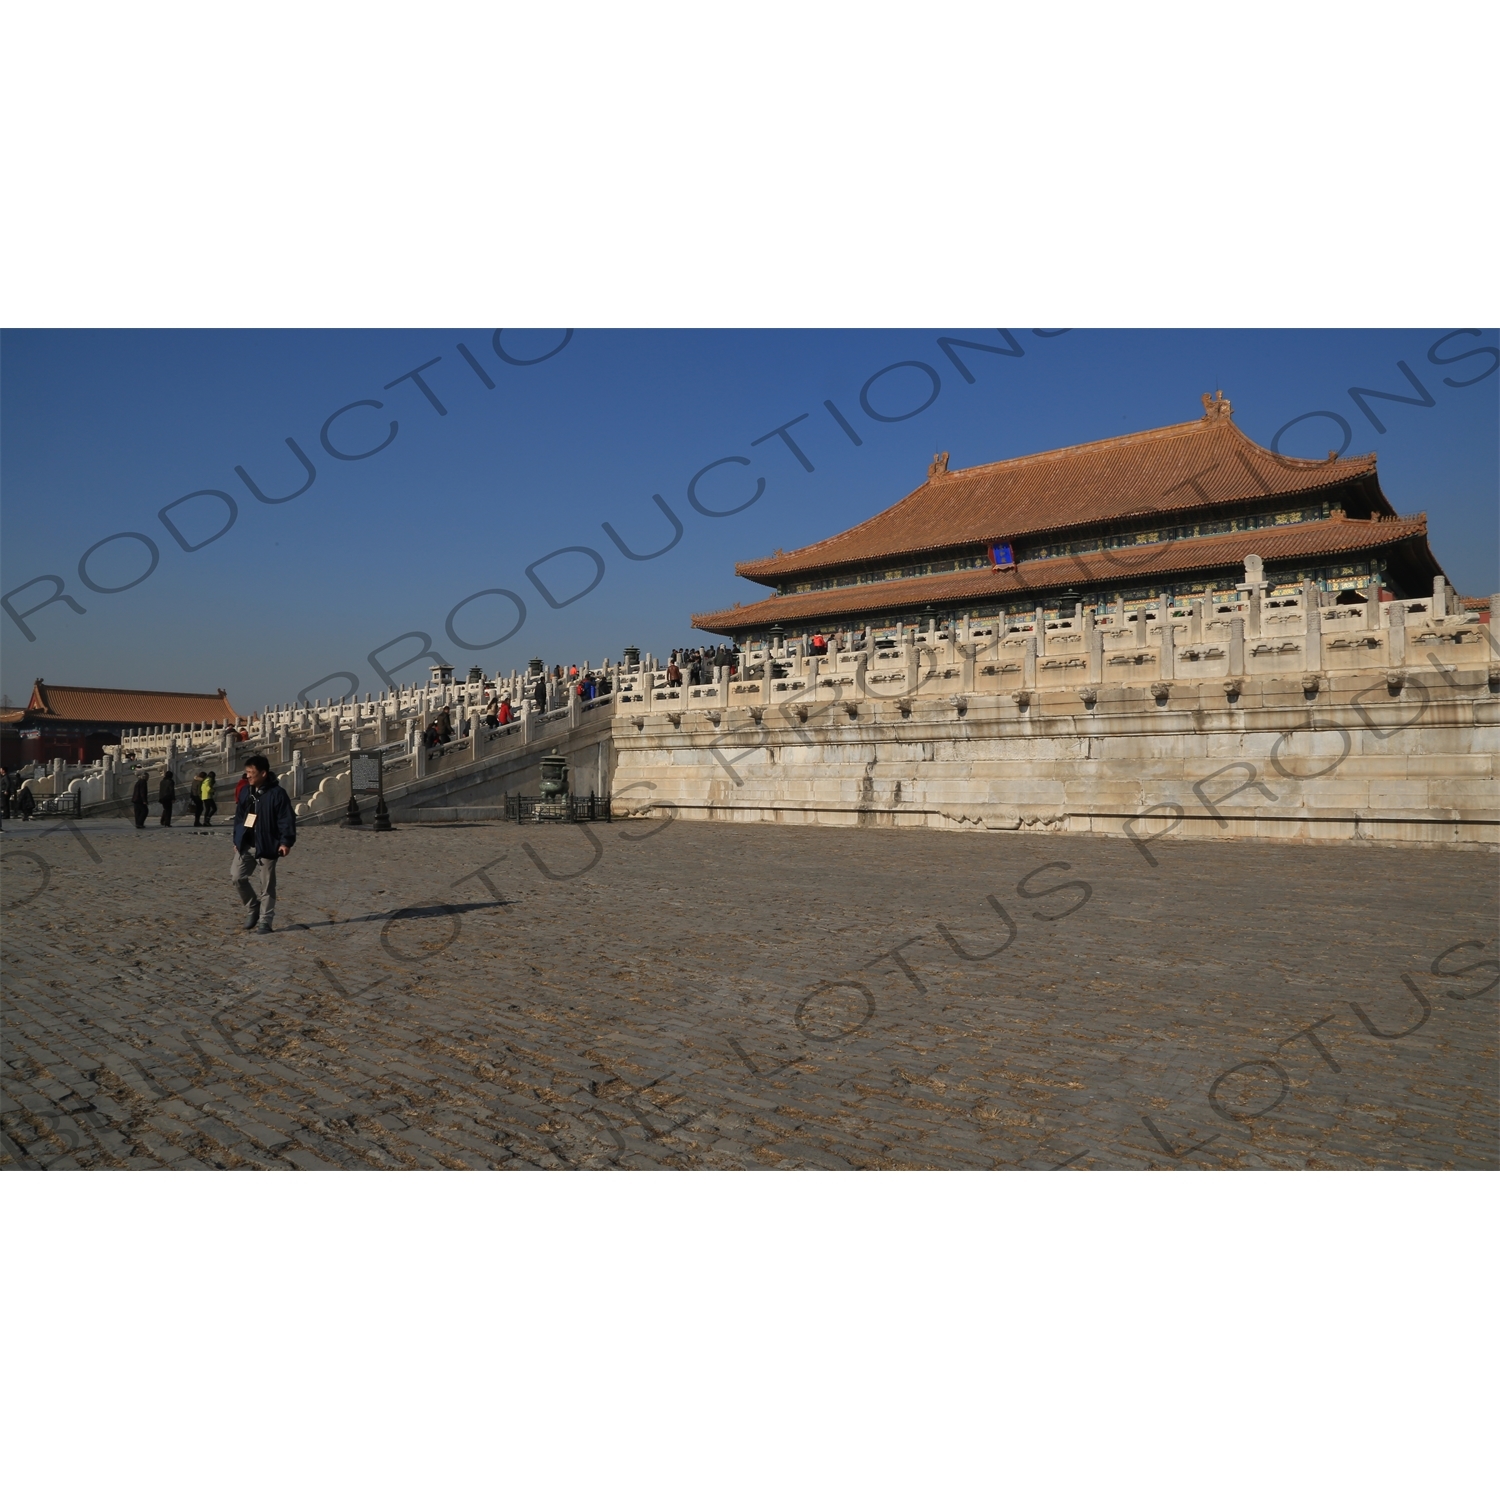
pixel 140 798
pixel 265 828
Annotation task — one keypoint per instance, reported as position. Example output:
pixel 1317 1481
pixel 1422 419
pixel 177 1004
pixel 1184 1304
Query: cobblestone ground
pixel 691 995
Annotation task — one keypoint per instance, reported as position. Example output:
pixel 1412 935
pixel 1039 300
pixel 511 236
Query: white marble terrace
pixel 1217 636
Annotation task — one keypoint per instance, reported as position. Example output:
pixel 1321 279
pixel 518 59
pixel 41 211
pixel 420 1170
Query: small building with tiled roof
pixel 75 723
pixel 1175 510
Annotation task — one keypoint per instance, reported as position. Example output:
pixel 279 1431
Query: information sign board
pixel 365 770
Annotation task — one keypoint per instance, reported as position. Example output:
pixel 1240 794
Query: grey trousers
pixel 241 868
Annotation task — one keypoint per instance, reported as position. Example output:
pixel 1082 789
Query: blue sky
pixel 101 430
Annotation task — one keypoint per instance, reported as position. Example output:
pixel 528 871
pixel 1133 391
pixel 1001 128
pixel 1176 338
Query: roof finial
pixel 1216 408
pixel 939 465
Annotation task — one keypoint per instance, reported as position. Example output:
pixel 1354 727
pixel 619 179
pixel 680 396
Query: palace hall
pixel 1175 511
pixel 76 723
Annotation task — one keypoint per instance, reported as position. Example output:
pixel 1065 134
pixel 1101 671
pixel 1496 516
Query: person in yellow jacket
pixel 206 795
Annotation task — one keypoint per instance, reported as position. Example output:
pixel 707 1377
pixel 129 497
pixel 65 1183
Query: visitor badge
pixel 249 820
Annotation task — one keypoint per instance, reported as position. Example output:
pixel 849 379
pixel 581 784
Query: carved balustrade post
pixel 1396 635
pixel 1237 646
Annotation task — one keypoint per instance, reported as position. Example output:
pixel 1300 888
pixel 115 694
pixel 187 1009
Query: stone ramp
pixel 478 788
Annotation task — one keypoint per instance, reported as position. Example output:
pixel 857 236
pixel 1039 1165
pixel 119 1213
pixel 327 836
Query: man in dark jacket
pixel 265 828
pixel 140 798
pixel 166 794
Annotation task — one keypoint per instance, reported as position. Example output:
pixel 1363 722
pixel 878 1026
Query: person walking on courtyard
pixel 195 796
pixel 206 792
pixel 140 798
pixel 265 828
pixel 25 802
pixel 166 794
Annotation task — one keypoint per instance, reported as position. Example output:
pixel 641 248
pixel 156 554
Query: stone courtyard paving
pixel 679 995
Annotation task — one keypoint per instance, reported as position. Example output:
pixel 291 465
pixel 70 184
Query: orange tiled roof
pixel 126 706
pixel 1169 469
pixel 1093 571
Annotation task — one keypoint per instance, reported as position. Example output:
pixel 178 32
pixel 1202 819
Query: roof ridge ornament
pixel 1216 408
pixel 939 465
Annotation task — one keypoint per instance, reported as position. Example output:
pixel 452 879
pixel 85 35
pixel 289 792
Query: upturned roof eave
pixel 773 570
pixel 801 562
pixel 983 586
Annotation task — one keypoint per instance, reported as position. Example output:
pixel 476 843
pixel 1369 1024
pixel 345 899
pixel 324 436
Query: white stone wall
pixel 1356 755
